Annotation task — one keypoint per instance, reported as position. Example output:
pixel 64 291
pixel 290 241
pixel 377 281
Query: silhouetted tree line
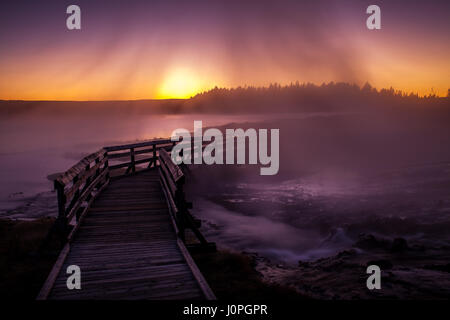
pixel 331 96
pixel 296 97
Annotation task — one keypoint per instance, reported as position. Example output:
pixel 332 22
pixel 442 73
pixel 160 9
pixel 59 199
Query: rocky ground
pixel 43 204
pixel 26 258
pixel 407 272
pixel 320 240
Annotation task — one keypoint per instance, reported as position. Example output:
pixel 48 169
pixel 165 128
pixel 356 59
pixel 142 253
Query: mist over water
pixel 313 217
pixel 46 139
pixel 341 175
pixel 34 146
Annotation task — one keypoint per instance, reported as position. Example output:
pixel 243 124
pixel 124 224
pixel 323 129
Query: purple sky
pixel 160 49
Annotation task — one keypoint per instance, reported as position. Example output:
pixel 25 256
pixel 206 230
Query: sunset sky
pixel 174 49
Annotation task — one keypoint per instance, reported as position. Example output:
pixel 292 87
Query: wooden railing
pixel 78 187
pixel 172 181
pixel 130 156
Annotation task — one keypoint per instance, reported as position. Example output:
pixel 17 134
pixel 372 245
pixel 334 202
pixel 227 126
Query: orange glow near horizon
pixel 69 76
pixel 181 88
pixel 166 51
pixel 180 83
pixel 42 81
pixel 46 81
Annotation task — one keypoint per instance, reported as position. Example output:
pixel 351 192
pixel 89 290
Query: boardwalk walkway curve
pixel 125 224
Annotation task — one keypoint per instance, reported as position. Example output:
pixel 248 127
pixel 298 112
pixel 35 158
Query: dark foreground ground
pixel 408 272
pixel 352 191
pixel 26 260
pixel 396 215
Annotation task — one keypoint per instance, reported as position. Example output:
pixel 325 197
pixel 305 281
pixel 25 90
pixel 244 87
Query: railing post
pixel 106 166
pixel 179 202
pixel 154 155
pixel 77 193
pixel 192 151
pixel 62 219
pixel 88 180
pixel 133 164
pixel 97 172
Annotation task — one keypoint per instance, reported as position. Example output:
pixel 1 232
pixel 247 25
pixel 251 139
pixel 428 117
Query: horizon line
pixel 297 83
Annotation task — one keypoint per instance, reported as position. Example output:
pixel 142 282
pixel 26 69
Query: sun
pixel 179 84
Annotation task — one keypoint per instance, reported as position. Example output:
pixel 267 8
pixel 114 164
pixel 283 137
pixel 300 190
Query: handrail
pixel 135 152
pixel 78 187
pixel 138 145
pixel 172 181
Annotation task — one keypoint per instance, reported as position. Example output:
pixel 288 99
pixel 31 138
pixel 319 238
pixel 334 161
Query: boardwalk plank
pixel 127 248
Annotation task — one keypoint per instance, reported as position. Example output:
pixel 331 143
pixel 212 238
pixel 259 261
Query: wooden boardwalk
pixel 128 247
